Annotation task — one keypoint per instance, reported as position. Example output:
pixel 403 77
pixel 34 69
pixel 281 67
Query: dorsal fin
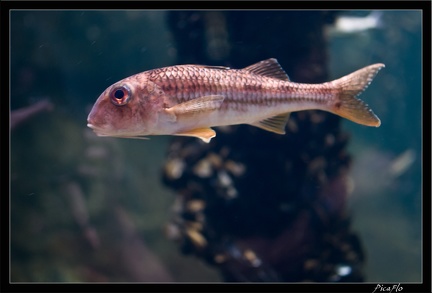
pixel 269 68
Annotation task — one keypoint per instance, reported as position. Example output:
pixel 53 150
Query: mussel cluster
pixel 266 207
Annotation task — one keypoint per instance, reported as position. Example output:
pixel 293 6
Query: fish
pixel 187 100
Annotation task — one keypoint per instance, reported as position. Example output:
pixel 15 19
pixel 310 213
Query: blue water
pixel 386 204
pixel 70 57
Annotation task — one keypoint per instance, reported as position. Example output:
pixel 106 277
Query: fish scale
pixel 243 91
pixel 189 99
pixel 237 86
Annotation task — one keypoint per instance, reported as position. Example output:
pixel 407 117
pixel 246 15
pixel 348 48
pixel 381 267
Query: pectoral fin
pixel 274 124
pixel 206 134
pixel 192 108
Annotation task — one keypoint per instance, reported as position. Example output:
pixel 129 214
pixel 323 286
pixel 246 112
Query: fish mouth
pixel 91 126
pixel 97 130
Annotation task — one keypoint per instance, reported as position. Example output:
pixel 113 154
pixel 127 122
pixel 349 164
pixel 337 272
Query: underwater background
pixel 92 209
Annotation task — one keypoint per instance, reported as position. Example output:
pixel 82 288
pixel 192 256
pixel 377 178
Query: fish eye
pixel 120 95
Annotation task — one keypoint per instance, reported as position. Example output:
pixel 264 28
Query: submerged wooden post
pixel 261 206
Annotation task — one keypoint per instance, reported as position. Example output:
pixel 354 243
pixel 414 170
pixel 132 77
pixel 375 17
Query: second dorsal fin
pixel 269 68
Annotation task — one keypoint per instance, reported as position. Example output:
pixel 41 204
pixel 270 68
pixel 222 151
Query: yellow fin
pixel 197 106
pixel 206 134
pixel 274 124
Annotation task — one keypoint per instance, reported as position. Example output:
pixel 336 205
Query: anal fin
pixel 274 124
pixel 205 134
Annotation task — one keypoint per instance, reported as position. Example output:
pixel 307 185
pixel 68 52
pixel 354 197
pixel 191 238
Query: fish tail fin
pixel 347 104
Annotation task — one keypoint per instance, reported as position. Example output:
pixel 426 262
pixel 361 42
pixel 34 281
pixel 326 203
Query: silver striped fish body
pixel 248 97
pixel 189 99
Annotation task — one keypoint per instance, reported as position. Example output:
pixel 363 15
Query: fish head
pixel 128 108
